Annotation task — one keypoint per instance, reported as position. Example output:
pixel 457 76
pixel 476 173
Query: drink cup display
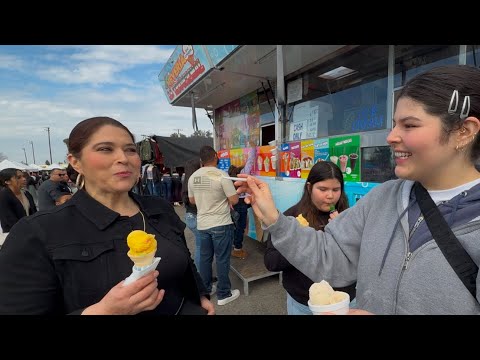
pixel 343 162
pixel 334 159
pixel 266 163
pixel 353 160
pixel 285 161
pixel 340 308
pixel 259 162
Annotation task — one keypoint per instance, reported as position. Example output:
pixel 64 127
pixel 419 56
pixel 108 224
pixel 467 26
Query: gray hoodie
pixel 355 244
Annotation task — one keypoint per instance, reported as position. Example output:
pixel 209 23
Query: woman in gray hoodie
pixel 383 241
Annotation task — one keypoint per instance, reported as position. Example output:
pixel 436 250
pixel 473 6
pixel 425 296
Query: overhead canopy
pixel 55 166
pixel 176 151
pixel 5 164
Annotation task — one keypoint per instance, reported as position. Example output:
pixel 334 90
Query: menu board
pixel 345 152
pixel 304 123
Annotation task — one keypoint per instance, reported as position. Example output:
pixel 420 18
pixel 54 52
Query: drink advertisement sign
pixel 345 152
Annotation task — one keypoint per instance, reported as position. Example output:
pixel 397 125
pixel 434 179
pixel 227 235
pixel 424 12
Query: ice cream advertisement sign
pixel 290 161
pixel 185 65
pixel 265 166
pixel 307 157
pixel 345 152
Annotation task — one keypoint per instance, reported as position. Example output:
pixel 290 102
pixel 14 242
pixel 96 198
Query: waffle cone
pixel 142 260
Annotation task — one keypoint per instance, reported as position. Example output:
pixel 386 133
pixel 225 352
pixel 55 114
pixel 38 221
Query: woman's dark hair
pixel 7 174
pixel 83 131
pixel 321 171
pixel 235 170
pixel 191 166
pixel 72 173
pixel 434 89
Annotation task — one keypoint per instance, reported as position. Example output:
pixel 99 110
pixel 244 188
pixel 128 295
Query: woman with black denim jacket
pixel 73 258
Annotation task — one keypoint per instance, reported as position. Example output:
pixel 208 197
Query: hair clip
pixel 465 108
pixel 452 110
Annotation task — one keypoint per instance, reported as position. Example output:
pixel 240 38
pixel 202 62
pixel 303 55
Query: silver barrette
pixel 465 108
pixel 452 110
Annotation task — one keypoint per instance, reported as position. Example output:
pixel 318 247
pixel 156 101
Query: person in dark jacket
pixel 43 271
pixel 323 199
pixel 14 203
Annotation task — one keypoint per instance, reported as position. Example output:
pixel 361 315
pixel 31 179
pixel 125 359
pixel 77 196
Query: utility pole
pixel 177 130
pixel 49 146
pixel 33 152
pixel 26 161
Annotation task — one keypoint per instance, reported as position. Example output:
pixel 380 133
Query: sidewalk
pixel 266 296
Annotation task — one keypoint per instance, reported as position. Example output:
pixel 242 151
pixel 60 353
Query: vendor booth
pixel 290 106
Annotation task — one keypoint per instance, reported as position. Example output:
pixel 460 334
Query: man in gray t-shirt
pixel 53 190
pixel 213 196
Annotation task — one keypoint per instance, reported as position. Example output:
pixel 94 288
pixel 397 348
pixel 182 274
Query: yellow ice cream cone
pixel 142 260
pixel 143 247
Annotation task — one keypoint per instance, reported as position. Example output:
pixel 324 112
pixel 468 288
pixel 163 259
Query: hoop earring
pixel 80 182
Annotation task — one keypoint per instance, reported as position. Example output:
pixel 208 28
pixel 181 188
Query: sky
pixel 57 86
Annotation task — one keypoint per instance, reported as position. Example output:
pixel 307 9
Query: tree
pixel 178 135
pixel 2 157
pixel 47 162
pixel 202 133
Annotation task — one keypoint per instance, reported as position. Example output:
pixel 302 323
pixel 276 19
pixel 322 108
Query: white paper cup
pixel 340 308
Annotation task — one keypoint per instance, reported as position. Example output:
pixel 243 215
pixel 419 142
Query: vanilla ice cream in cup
pixel 323 299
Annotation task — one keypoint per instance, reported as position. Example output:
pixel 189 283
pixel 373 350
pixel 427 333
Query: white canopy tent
pixel 5 164
pixel 55 166
pixel 35 167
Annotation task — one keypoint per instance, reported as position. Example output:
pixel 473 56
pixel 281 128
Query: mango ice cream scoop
pixel 302 220
pixel 143 247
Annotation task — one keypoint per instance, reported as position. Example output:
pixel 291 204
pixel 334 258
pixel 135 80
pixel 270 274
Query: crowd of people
pixel 389 251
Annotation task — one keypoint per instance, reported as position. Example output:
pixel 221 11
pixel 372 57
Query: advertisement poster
pixel 264 164
pixel 237 124
pixel 249 158
pixel 290 165
pixel 236 157
pixel 307 156
pixel 345 152
pixel 321 150
pixel 223 160
pixel 187 64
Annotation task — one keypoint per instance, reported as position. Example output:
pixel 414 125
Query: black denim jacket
pixel 65 259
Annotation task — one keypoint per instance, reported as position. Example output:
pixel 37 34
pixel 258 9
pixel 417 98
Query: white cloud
pixel 84 81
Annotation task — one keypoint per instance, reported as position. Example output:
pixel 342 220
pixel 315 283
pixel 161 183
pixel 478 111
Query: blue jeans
pixel 296 308
pixel 241 224
pixel 167 188
pixel 191 221
pixel 151 187
pixel 216 241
